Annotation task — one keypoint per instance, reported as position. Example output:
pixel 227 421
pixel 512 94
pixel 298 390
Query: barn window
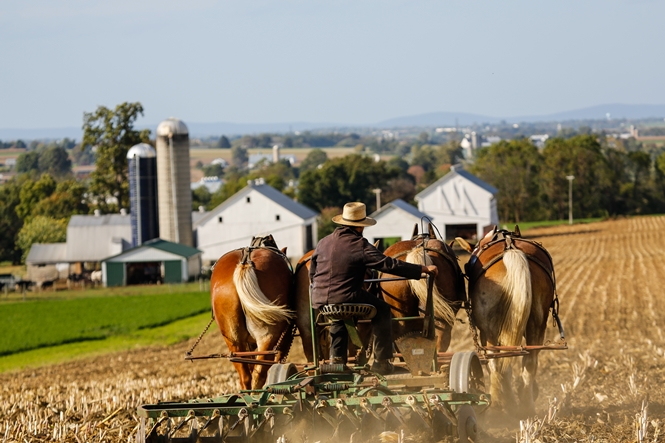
pixel 220 219
pixel 277 217
pixel 248 200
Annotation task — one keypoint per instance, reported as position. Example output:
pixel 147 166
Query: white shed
pixel 256 210
pixel 461 204
pixel 394 222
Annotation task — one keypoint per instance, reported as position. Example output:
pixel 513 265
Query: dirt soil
pixel 609 383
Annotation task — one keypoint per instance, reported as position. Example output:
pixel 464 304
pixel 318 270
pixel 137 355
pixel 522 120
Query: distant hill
pixel 616 110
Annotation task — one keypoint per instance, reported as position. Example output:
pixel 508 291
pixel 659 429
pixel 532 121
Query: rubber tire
pixel 280 373
pixel 467 426
pixel 465 373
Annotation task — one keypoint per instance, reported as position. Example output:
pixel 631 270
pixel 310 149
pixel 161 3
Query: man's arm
pixel 375 259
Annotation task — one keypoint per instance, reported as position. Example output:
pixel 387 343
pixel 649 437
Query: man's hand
pixel 430 270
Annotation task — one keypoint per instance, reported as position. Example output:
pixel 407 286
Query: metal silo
pixel 143 193
pixel 173 182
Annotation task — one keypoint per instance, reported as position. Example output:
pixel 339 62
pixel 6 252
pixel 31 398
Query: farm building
pixel 47 262
pixel 92 238
pixel 395 222
pixel 152 262
pixel 256 210
pixel 461 205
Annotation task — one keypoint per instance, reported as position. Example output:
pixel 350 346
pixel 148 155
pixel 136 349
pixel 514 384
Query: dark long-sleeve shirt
pixel 337 269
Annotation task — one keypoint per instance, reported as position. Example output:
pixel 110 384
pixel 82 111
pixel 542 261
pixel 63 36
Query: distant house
pixel 460 204
pixel 539 140
pixel 211 183
pixel 395 222
pixel 258 209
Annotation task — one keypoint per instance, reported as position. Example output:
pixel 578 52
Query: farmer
pixel 337 272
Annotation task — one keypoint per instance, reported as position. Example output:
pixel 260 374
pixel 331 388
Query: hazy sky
pixel 352 62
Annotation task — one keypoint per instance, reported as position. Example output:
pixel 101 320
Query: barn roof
pixel 162 245
pixel 268 191
pixel 100 220
pixel 404 206
pixel 455 171
pixel 47 253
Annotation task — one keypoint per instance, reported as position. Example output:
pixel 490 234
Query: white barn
pixel 394 222
pixel 256 210
pixel 461 204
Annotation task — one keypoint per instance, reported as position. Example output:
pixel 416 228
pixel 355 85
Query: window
pixel 248 200
pixel 220 219
pixel 277 217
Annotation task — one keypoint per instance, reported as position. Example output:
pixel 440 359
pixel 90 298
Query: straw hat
pixel 354 214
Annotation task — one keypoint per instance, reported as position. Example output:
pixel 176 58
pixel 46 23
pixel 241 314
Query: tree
pixel 41 230
pixel 314 158
pixel 324 221
pixel 112 132
pixel 10 222
pixel 580 156
pixel 213 170
pixel 55 161
pixel 32 192
pixel 200 197
pixel 239 156
pixel 512 167
pixel 27 161
pixel 67 199
pixel 224 143
pixel 343 180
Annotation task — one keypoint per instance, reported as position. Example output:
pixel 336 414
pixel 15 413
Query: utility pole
pixel 377 191
pixel 570 198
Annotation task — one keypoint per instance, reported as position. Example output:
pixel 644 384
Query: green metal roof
pixel 174 248
pixel 162 245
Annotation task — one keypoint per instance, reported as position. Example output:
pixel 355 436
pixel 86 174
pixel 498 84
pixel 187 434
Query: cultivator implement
pixel 334 405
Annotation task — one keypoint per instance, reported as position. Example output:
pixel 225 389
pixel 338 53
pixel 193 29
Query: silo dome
pixel 142 150
pixel 172 126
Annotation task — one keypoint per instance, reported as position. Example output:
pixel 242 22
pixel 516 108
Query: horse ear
pixel 517 231
pixel 376 244
pixel 284 250
pixel 430 229
pixel 463 244
pixel 415 231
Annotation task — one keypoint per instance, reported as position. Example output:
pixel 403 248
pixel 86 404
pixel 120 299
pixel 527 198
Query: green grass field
pixel 42 322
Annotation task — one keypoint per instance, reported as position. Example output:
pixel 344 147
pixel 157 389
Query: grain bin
pixel 173 182
pixel 142 163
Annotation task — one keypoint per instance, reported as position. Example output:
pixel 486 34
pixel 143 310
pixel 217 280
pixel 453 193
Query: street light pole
pixel 377 191
pixel 570 179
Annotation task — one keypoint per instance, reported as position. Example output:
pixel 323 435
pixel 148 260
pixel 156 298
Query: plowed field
pixel 610 382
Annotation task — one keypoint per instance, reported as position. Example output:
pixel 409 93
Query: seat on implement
pixel 345 311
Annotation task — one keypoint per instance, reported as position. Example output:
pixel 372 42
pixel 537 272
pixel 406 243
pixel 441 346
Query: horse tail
pixel 515 298
pixel 254 302
pixel 442 309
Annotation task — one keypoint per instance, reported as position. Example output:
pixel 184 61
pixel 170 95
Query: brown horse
pixel 408 297
pixel 249 290
pixel 511 289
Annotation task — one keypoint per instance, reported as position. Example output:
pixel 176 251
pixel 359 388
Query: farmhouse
pixel 395 222
pixel 460 204
pixel 256 210
pixel 152 262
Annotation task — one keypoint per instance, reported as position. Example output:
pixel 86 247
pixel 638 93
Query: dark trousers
pixel 382 330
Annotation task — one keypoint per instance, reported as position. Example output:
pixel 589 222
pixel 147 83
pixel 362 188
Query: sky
pixel 337 61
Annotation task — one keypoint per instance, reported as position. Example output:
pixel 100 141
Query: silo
pixel 143 193
pixel 173 187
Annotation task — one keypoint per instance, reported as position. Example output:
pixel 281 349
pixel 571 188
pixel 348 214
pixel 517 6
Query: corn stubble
pixel 608 387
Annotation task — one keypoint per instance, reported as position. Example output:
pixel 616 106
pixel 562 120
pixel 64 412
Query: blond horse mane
pixel 254 302
pixel 442 309
pixel 515 297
